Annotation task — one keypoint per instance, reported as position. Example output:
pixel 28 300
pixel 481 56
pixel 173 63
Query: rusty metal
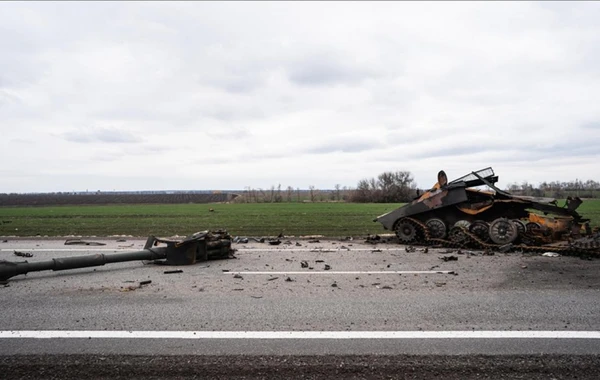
pixel 201 246
pixel 459 214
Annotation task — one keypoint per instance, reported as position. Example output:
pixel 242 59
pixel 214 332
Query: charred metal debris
pixel 201 246
pixel 457 214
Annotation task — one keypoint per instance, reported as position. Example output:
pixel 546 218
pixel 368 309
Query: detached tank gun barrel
pixel 201 246
pixel 10 269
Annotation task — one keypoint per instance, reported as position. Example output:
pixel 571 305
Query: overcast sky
pixel 198 95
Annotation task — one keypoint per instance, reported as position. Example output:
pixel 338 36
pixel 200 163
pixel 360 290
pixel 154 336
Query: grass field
pixel 265 219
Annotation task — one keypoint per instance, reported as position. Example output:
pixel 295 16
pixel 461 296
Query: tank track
pixel 585 247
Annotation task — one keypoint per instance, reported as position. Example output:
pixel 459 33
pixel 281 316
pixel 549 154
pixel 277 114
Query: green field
pixel 265 219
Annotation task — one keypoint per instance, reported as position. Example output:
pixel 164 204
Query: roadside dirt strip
pixel 537 367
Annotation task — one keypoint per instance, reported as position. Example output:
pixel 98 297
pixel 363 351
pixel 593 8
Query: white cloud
pixel 228 95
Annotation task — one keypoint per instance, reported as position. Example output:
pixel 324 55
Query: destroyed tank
pixel 461 213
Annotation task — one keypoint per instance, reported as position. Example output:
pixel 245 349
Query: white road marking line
pixel 53 334
pixel 352 272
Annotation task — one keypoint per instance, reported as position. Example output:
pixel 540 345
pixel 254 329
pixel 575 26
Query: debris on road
pixel 274 242
pixel 410 249
pixel 304 264
pixel 23 254
pixel 136 286
pixel 327 267
pixel 173 271
pixel 237 275
pixel 449 258
pixel 550 254
pixel 376 250
pixel 314 241
pixel 82 242
pixel 272 278
pixel 289 279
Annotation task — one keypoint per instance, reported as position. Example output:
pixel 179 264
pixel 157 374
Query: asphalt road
pixel 476 293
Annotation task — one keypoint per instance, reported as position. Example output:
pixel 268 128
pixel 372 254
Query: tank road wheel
pixel 406 231
pixel 521 227
pixel 480 229
pixel 463 223
pixel 457 235
pixel 503 231
pixel 437 228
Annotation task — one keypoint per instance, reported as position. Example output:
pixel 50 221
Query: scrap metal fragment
pixel 550 254
pixel 82 242
pixel 173 271
pixel 304 264
pixel 23 254
pixel 449 258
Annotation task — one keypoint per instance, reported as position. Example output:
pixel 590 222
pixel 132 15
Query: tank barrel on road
pixel 200 246
pixel 10 269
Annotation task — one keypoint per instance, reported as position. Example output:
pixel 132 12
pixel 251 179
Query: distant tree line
pixel 275 194
pixel 557 189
